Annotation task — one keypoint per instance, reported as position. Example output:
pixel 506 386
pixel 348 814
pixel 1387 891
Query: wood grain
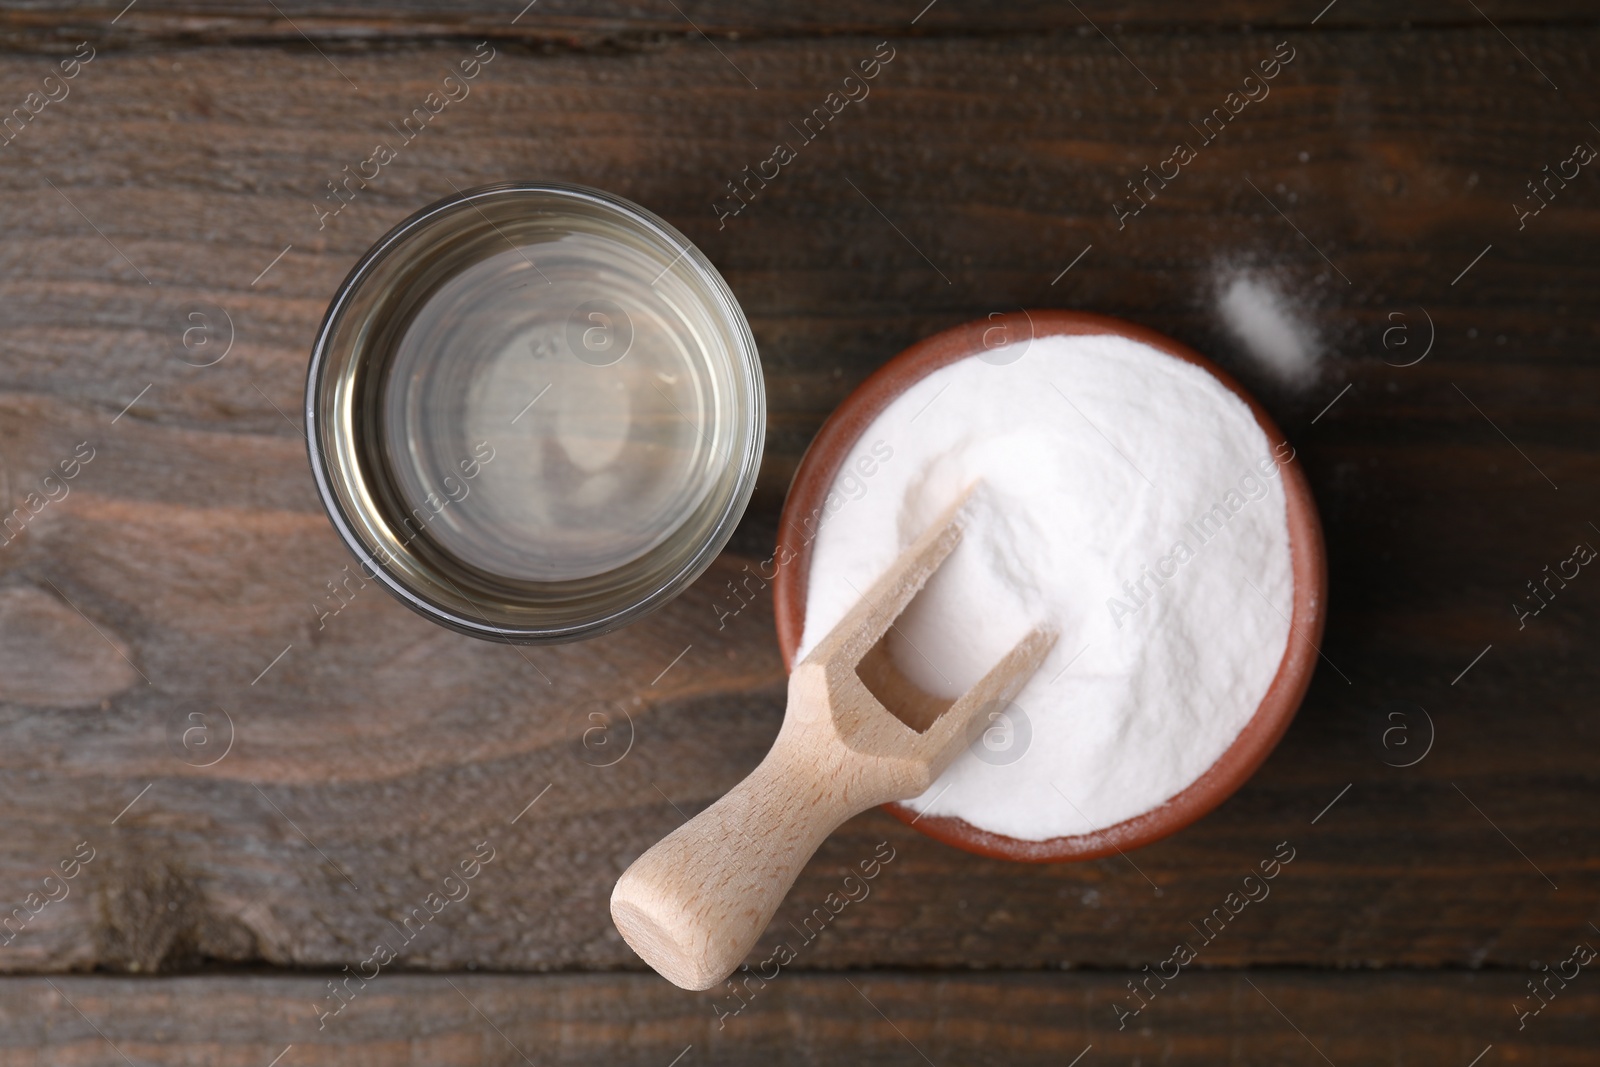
pixel 611 26
pixel 986 1020
pixel 372 752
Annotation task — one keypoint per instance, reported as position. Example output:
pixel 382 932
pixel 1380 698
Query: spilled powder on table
pixel 1280 344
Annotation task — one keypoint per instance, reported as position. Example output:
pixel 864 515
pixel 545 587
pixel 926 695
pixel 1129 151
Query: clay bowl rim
pixel 820 464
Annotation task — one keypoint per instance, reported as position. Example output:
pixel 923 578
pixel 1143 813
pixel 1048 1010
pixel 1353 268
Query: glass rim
pixel 323 426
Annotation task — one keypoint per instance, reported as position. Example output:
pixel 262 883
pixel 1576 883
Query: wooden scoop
pixel 693 906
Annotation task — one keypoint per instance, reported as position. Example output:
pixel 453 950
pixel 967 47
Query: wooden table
pixel 266 791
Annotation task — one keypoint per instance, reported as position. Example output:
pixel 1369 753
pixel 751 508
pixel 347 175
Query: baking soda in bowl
pixel 1126 498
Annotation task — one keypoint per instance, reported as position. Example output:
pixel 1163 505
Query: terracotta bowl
pixel 833 443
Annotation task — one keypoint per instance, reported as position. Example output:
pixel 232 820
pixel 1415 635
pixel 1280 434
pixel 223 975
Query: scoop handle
pixel 693 906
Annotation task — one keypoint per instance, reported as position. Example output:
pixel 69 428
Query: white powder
pixel 1279 344
pixel 1097 457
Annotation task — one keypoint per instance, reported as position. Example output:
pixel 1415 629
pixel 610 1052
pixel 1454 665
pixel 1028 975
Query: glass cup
pixel 535 412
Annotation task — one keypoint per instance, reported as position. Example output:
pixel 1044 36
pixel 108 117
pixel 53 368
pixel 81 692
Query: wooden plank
pixel 1200 1019
pixel 371 752
pixel 620 26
